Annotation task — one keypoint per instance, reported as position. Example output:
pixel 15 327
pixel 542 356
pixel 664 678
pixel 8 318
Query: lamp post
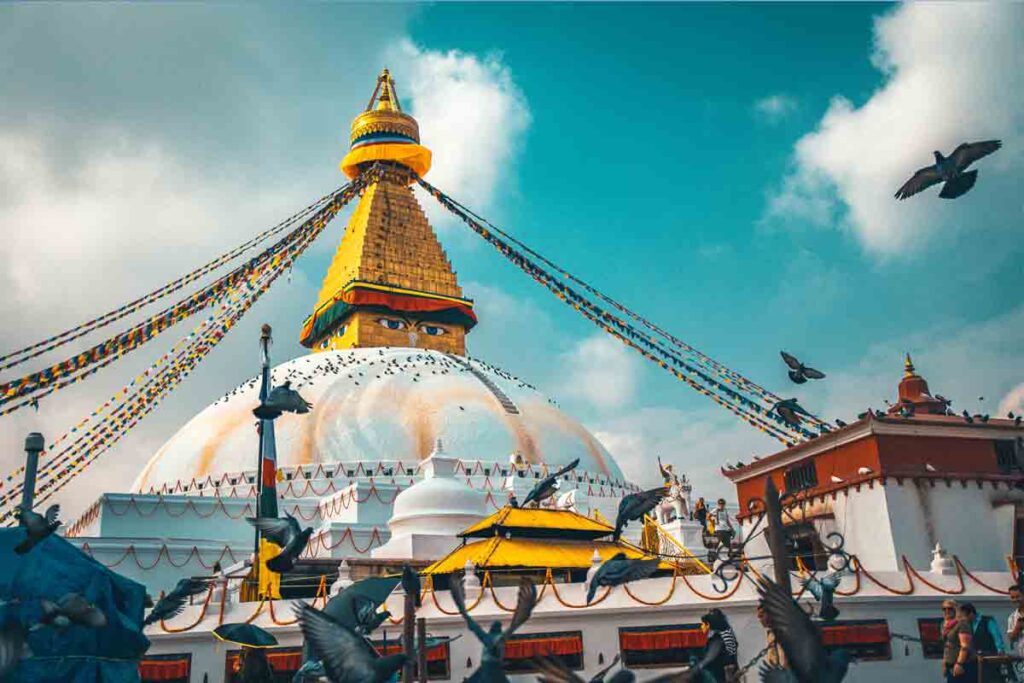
pixel 34 445
pixel 266 433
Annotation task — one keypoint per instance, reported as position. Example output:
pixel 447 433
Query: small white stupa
pixel 427 516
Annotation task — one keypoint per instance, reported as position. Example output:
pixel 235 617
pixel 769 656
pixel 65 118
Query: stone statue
pixel 677 504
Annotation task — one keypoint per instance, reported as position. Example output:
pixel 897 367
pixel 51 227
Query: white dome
pixel 387 404
pixel 427 516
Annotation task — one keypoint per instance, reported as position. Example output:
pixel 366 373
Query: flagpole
pixel 265 341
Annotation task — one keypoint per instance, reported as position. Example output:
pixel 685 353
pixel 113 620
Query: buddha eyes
pixel 393 324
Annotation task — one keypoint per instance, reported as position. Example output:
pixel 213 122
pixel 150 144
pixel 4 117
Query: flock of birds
pixel 361 367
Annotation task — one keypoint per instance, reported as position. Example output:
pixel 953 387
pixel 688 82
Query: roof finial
pixel 908 366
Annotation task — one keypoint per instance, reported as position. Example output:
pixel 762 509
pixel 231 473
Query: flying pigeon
pixel 549 485
pixel 282 399
pixel 823 590
pixel 808 660
pixel 950 170
pixel 12 647
pixel 70 609
pixel 345 655
pixel 798 372
pixel 286 534
pixel 619 570
pixel 411 584
pixel 172 603
pixel 311 671
pixel 635 505
pixel 493 639
pixel 368 618
pixel 37 527
pixel 789 410
pixel 554 671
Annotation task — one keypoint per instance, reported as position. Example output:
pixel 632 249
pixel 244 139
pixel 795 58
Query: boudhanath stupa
pixel 413 451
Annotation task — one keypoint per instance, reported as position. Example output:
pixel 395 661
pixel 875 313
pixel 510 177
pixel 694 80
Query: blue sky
pixel 727 170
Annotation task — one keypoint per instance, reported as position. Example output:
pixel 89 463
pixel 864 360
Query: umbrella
pixel 246 635
pixel 343 606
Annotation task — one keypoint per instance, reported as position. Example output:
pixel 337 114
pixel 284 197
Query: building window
pixel 866 639
pixel 660 646
pixel 166 668
pixel 801 477
pixel 1006 456
pixel 564 646
pixel 438 659
pixel 284 661
pixel 930 631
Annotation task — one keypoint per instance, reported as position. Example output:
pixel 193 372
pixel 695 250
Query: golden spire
pixel 390 282
pixel 908 366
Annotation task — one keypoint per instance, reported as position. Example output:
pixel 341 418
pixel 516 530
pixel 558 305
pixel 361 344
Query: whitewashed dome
pixel 382 404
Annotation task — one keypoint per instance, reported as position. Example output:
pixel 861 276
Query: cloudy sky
pixel 727 170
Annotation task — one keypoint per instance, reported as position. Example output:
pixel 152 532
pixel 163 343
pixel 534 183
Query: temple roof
pixel 526 553
pixel 537 523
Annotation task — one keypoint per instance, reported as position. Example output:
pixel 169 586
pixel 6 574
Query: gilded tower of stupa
pixel 390 283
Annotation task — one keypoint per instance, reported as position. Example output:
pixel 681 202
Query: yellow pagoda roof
pixel 537 522
pixel 499 552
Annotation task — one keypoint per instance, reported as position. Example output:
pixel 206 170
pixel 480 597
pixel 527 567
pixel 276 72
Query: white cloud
pixel 952 72
pixel 472 116
pixel 86 234
pixel 1012 402
pixel 601 372
pixel 775 107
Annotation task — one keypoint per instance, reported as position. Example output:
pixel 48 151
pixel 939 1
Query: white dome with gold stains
pixel 382 404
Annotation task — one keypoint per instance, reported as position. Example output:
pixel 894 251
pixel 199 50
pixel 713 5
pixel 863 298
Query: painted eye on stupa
pixel 433 330
pixel 391 323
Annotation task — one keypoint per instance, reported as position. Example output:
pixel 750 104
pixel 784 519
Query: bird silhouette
pixel 493 639
pixel 411 584
pixel 71 609
pixel 554 671
pixel 798 372
pixel 823 590
pixel 790 411
pixel 37 527
pixel 282 399
pixel 548 486
pixel 346 655
pixel 635 505
pixel 172 603
pixel 800 639
pixel 619 570
pixel 286 534
pixel 951 170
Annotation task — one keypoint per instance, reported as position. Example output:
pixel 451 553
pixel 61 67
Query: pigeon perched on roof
pixel 635 505
pixel 798 372
pixel 286 534
pixel 70 609
pixel 172 603
pixel 951 170
pixel 37 527
pixel 549 485
pixel 823 590
pixel 800 639
pixel 619 570
pixel 346 656
pixel 282 399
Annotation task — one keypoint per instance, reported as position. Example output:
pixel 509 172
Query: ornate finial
pixel 908 366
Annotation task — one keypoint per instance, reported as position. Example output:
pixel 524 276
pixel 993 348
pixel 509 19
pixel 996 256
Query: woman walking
pixel 958 662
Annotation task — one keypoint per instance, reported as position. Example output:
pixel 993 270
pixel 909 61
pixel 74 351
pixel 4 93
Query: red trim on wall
pixel 527 648
pixel 164 669
pixel 663 640
pixel 855 634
